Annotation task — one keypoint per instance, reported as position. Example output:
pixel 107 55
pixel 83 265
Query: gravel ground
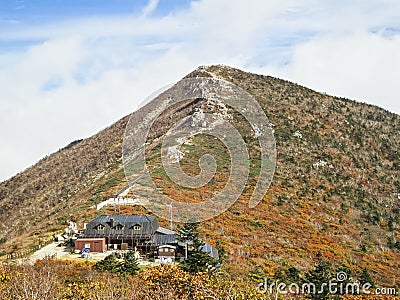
pixel 53 250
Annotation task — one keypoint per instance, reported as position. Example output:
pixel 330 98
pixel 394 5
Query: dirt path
pixel 51 250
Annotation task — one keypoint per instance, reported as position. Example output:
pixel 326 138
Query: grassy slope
pixel 336 211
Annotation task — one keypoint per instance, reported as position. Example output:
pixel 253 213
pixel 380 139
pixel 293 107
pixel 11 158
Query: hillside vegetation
pixel 335 194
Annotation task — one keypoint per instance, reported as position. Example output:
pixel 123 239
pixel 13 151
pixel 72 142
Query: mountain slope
pixel 335 192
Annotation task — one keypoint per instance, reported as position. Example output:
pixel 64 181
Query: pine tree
pixel 197 260
pixel 110 263
pixel 129 264
pixel 222 254
pixel 365 277
pixel 321 274
pixel 344 281
pixel 292 275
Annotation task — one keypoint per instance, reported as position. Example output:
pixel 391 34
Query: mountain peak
pixel 334 193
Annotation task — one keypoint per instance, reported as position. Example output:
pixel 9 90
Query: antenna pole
pixel 119 207
pixel 170 215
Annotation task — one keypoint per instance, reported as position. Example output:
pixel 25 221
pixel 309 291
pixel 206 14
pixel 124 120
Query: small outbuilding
pixel 92 244
pixel 166 253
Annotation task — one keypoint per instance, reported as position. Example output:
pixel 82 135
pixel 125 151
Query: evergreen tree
pixel 197 260
pixel 222 255
pixel 110 263
pixel 321 274
pixel 130 265
pixel 292 275
pixel 365 277
pixel 343 281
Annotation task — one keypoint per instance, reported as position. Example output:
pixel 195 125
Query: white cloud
pixel 88 72
pixel 362 66
pixel 150 7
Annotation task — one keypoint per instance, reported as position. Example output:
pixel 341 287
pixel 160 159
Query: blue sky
pixel 38 11
pixel 69 68
pixel 17 15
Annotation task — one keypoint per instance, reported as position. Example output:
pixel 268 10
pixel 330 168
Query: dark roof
pixel 159 239
pixel 148 225
pixel 125 218
pixel 162 230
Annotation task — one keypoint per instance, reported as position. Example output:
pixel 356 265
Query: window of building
pixel 136 227
pixel 100 227
pixel 118 227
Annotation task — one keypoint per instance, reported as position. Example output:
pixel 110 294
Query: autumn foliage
pixel 52 279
